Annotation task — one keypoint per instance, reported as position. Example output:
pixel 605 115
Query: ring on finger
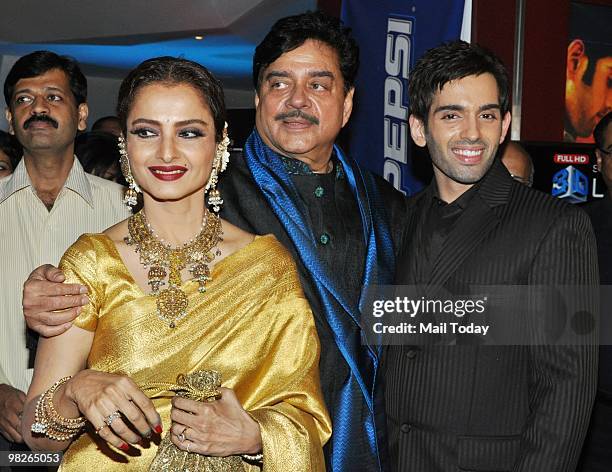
pixel 100 428
pixel 188 446
pixel 182 436
pixel 112 417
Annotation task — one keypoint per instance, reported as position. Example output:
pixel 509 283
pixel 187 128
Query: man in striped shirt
pixel 44 205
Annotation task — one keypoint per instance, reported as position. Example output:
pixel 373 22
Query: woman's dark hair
pixel 291 32
pixel 98 153
pixel 173 71
pixel 39 62
pixel 11 147
pixel 453 61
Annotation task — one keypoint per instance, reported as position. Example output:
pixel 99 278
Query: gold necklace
pixel 164 260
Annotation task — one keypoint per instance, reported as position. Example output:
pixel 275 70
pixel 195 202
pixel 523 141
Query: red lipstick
pixel 168 173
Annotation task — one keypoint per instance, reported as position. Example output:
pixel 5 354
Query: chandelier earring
pixel 219 165
pixel 131 194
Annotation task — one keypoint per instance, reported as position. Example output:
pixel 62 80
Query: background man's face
pixel 586 104
pixel 518 163
pixel 43 113
pixel 111 126
pixel 301 105
pixel 464 129
pixel 6 166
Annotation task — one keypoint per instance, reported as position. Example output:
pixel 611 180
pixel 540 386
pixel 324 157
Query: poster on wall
pixel 567 171
pixel 588 83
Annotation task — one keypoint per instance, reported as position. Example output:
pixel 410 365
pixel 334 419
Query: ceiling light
pixel 198 37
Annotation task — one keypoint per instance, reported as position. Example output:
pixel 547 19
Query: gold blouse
pixel 253 325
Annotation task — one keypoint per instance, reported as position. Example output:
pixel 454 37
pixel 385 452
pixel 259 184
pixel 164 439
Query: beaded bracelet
pixel 49 422
pixel 253 457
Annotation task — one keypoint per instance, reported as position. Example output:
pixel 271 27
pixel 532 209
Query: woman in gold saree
pixel 222 301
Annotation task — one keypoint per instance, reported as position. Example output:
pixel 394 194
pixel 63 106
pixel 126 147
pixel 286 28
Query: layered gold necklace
pixel 165 261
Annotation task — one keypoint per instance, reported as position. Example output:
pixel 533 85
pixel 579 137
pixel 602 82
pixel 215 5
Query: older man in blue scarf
pixel 325 209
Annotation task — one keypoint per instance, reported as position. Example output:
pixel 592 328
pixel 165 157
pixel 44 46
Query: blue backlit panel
pixel 225 55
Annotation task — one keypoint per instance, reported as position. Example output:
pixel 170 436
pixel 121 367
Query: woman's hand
pixel 98 395
pixel 220 428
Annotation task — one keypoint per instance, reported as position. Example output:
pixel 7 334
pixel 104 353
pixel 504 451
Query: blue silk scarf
pixel 358 393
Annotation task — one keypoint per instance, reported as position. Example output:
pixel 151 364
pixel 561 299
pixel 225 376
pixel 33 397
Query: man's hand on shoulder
pixel 11 409
pixel 49 305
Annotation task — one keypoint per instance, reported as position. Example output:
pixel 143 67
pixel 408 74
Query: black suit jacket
pixel 496 408
pixel 597 451
pixel 246 207
pixel 600 214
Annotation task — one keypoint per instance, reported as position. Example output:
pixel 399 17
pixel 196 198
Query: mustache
pixel 41 118
pixel 297 114
pixel 469 142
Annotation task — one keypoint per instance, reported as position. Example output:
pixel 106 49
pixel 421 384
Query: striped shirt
pixel 30 236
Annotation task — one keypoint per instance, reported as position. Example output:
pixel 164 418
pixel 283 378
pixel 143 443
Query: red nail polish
pixel 158 429
pixel 124 447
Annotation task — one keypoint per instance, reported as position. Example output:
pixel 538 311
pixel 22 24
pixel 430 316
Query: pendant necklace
pixel 163 261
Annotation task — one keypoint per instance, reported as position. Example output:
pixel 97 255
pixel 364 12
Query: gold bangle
pixel 49 422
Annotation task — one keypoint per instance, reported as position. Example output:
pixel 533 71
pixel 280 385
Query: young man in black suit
pixel 475 407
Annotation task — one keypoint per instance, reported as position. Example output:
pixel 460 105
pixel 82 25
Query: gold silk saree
pixel 253 325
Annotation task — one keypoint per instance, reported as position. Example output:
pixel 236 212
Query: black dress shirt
pixel 335 222
pixel 433 229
